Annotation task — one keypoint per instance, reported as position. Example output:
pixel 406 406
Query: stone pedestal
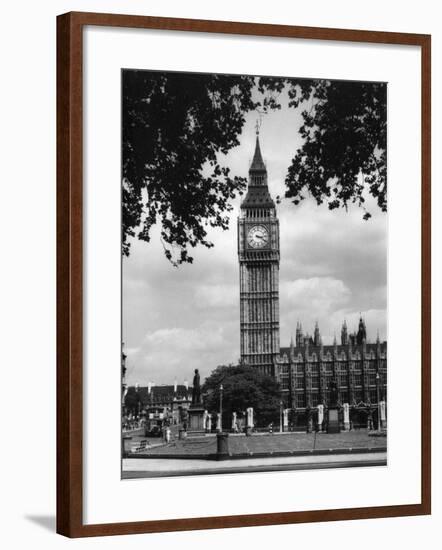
pixel 320 417
pixel 249 425
pixel 346 417
pixel 222 446
pixel 234 424
pixel 382 406
pixel 195 423
pixel 209 423
pixel 285 420
pixel 333 421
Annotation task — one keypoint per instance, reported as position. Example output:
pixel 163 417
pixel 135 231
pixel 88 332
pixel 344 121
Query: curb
pixel 275 454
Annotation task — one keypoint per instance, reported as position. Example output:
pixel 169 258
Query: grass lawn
pixel 240 444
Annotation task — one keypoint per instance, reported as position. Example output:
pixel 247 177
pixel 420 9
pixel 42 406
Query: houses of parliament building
pixel 306 368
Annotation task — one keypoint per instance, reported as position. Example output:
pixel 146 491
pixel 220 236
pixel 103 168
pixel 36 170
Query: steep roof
pixel 257 162
pixel 258 195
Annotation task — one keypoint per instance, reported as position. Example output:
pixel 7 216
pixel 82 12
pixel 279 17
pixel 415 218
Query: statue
pixel 196 390
pixel 196 413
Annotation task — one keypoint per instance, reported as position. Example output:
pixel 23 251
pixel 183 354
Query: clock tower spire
pixel 258 253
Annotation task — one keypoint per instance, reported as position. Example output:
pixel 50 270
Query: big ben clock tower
pixel 258 252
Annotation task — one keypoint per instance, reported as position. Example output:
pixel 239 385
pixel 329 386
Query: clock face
pixel 258 236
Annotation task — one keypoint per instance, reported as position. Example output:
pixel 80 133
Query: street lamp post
pixel 221 408
pixel 280 417
pixel 378 400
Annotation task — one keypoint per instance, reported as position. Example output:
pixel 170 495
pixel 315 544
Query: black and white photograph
pixel 218 317
pixel 254 273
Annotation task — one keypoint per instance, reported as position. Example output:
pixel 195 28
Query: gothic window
pixel 358 396
pixel 284 377
pixel 344 396
pixel 315 380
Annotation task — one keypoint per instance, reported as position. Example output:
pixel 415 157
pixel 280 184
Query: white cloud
pixel 317 294
pixel 167 353
pixel 210 296
pixel 180 339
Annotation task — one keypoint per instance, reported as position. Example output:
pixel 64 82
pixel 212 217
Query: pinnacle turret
pixel 317 335
pixel 258 195
pixel 257 162
pixel 344 334
pixel 362 332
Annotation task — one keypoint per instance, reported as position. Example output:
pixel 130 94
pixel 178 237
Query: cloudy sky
pixel 333 266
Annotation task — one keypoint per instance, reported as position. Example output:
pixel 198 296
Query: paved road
pixel 150 467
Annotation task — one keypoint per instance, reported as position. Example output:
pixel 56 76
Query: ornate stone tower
pixel 258 252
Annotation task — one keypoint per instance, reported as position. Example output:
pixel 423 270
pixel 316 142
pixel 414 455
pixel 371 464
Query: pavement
pixel 134 468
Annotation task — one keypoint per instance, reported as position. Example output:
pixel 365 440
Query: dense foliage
pixel 176 127
pixel 243 387
pixel 344 151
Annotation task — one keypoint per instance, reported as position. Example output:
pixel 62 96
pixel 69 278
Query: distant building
pixel 173 399
pixel 306 368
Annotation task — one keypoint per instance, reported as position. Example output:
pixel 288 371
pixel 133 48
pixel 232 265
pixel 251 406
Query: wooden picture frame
pixel 70 272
